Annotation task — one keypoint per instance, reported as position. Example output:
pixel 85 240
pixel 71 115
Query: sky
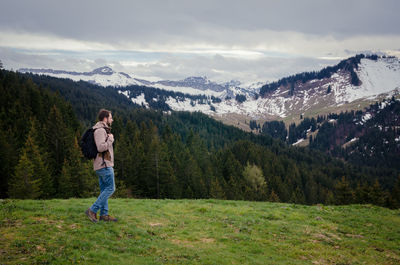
pixel 249 41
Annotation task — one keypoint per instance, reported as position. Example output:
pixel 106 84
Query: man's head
pixel 105 116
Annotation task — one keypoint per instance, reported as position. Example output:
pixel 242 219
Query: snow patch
pixel 126 93
pixel 299 141
pixel 140 100
pixel 377 77
pixel 366 117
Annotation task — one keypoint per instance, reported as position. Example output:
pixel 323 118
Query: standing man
pixel 103 165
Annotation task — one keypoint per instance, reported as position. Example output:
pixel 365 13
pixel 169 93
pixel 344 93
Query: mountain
pixel 105 76
pixel 354 83
pixel 202 85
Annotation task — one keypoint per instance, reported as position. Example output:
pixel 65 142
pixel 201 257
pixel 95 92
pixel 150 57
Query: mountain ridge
pixel 353 83
pixel 195 85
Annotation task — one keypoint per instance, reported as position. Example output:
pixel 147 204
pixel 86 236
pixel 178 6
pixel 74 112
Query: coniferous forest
pixel 164 154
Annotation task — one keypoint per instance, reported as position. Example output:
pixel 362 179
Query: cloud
pixel 26 40
pixel 171 66
pixel 229 43
pixel 251 40
pixel 99 20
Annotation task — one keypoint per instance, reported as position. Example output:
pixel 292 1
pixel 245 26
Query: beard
pixel 108 123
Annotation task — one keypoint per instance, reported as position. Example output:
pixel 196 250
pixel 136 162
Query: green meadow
pixel 206 231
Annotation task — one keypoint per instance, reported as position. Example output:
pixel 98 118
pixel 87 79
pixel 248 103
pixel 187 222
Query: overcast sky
pixel 244 40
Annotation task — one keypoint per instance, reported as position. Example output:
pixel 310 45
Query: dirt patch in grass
pixel 192 244
pixel 184 243
pixel 155 224
pixel 45 220
pixel 74 226
pixel 354 236
pixel 328 237
pixel 207 240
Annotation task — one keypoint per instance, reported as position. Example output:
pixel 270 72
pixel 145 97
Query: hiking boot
pixel 108 218
pixel 92 215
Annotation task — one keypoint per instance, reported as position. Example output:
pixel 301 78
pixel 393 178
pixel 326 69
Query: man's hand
pixel 111 136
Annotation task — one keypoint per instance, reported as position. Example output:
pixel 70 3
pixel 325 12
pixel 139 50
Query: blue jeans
pixel 107 188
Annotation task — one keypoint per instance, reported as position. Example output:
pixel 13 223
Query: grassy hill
pixel 197 232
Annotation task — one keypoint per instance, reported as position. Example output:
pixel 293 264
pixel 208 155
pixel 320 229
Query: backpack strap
pixel 102 153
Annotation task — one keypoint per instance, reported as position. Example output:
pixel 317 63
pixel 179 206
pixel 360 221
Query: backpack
pixel 88 145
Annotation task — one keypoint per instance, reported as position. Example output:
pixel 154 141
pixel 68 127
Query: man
pixel 103 165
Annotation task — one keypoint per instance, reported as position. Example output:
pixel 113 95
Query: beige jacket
pixel 104 143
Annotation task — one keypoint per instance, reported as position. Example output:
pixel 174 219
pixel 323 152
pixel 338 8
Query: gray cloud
pixel 245 40
pixel 114 21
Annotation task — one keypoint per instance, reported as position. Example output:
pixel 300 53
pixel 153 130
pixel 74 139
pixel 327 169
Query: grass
pixel 197 232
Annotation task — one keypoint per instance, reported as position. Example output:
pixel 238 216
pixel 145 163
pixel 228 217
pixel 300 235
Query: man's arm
pixel 102 141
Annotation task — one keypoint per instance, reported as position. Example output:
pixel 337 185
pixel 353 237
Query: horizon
pixel 187 77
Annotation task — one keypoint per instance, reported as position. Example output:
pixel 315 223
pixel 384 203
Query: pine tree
pixel 329 89
pixel 65 185
pixel 36 175
pixel 9 159
pixel 216 190
pixel 77 178
pixel 39 156
pixel 297 196
pixel 329 199
pixel 311 191
pixel 148 178
pixel 129 160
pixel 291 90
pixel 24 184
pixel 273 197
pixel 395 194
pixel 193 178
pixel 168 183
pixel 122 156
pixel 376 194
pixel 59 138
pixel 199 153
pixel 362 193
pixel 344 193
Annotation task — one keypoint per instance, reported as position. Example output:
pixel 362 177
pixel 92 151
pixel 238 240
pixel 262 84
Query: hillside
pixel 352 84
pixel 197 232
pixel 364 137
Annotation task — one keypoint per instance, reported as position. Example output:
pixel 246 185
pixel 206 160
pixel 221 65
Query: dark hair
pixel 103 113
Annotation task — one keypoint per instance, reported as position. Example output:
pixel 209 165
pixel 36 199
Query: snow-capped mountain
pixel 105 76
pixel 377 78
pixel 352 84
